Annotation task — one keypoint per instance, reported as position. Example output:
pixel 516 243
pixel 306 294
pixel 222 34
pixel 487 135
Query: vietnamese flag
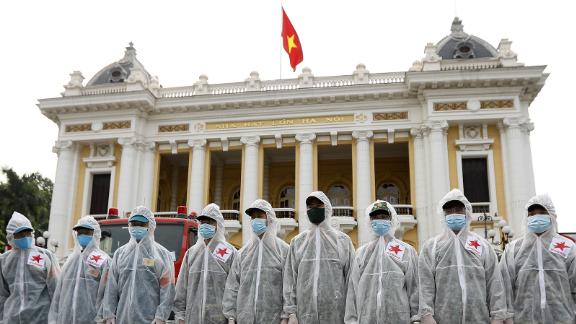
pixel 291 41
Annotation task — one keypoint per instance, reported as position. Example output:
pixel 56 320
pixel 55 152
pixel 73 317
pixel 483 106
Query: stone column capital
pixel 127 141
pixel 250 140
pixel 362 135
pixel 197 144
pixel 305 138
pixel 417 132
pixel 523 124
pixel 60 146
pixel 436 126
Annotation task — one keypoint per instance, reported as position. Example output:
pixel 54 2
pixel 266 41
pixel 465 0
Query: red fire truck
pixel 176 231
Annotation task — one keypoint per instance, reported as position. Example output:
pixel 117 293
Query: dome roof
pixel 459 45
pixel 119 72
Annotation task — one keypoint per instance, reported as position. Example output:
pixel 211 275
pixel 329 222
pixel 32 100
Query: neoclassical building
pixel 458 118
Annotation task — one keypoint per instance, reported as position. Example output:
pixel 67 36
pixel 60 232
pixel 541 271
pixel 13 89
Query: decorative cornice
pixel 173 128
pixel 397 115
pixel 497 104
pixel 123 124
pixel 450 106
pixel 74 128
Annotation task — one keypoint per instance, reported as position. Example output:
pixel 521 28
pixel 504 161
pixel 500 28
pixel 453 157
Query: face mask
pixel 259 226
pixel 456 221
pixel 84 240
pixel 138 232
pixel 207 231
pixel 316 215
pixel 380 226
pixel 539 223
pixel 24 243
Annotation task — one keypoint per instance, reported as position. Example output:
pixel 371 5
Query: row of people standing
pixel 318 278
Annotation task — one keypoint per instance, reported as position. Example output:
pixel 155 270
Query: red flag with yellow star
pixel 291 41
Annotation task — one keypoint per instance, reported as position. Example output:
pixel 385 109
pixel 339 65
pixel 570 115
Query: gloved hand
pixel 509 321
pixel 111 321
pixel 427 319
pixel 292 319
pixel 497 321
pixel 159 321
pixel 284 321
pixel 231 321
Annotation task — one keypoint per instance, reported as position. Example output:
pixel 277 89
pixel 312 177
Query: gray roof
pixel 119 71
pixel 459 45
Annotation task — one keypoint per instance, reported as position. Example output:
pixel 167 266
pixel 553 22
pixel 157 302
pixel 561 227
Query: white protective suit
pixel 254 288
pixel 80 288
pixel 140 286
pixel 317 270
pixel 540 274
pixel 383 285
pixel 203 274
pixel 459 279
pixel 28 279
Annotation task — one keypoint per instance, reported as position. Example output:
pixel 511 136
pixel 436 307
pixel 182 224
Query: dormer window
pixel 116 75
pixel 464 50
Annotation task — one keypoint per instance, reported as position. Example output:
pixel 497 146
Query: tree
pixel 29 195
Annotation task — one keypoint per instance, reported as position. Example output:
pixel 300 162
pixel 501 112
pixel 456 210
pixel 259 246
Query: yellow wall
pixel 494 134
pixel 395 170
pixel 280 175
pixel 165 182
pixel 452 136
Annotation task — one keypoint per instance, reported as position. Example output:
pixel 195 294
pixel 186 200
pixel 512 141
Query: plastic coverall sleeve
pixel 290 277
pixel 508 273
pixel 495 286
pixel 351 316
pixel 426 274
pixel 181 287
pixel 111 292
pixel 167 289
pixel 229 301
pixel 412 285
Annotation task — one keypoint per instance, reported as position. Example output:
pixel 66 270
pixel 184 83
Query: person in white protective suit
pixel 80 288
pixel 459 278
pixel 539 269
pixel 383 287
pixel 203 273
pixel 317 268
pixel 254 287
pixel 140 282
pixel 28 276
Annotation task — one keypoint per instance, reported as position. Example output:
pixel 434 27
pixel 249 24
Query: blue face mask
pixel 24 243
pixel 207 231
pixel 84 240
pixel 539 223
pixel 138 232
pixel 380 226
pixel 259 226
pixel 456 221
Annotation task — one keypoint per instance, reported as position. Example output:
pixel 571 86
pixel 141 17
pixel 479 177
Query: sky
pixel 44 41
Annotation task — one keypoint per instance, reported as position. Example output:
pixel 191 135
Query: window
pixel 339 195
pixel 475 179
pixel 100 193
pixel 236 200
pixel 286 198
pixel 389 192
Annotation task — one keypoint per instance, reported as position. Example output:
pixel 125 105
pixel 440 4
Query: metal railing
pixel 342 211
pixel 231 214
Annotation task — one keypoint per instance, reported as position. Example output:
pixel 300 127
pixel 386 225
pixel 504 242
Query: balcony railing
pixel 285 212
pixel 343 211
pixel 402 210
pixel 480 207
pixel 231 214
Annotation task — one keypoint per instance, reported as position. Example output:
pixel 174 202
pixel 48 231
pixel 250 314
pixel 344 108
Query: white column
pixel 424 220
pixel 305 176
pixel 438 177
pixel 126 188
pixel 363 186
pixel 218 177
pixel 265 180
pixel 196 181
pixel 146 175
pixel 249 180
pixel 519 171
pixel 60 211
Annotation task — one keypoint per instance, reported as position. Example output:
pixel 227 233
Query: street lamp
pixel 486 218
pixel 505 236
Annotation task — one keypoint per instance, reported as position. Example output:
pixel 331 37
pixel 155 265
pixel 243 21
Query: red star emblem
pixel 561 246
pixel 474 244
pixel 395 249
pixel 222 252
pixel 37 258
pixel 96 258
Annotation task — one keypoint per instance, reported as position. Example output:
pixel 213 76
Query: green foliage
pixel 29 195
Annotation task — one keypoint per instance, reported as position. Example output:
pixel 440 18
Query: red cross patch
pixel 395 249
pixel 474 245
pixel 222 252
pixel 96 259
pixel 37 259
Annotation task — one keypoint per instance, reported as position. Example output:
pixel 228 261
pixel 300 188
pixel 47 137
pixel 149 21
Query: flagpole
pixel 281 26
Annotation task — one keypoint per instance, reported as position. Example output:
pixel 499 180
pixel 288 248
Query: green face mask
pixel 316 215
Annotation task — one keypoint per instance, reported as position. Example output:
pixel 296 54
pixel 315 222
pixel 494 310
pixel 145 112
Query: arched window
pixel 286 198
pixel 339 195
pixel 389 192
pixel 236 200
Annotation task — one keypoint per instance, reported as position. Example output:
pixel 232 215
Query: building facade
pixel 458 118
